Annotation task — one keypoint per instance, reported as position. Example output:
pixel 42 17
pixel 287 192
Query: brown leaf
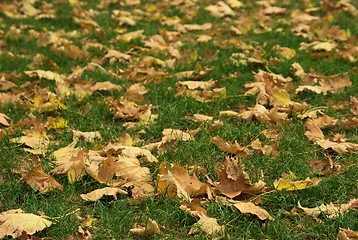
pixel 347 234
pixel 354 105
pixel 99 193
pixel 14 222
pixel 135 92
pixel 234 181
pixel 4 120
pixel 129 169
pixel 87 136
pixel 105 86
pixel 179 183
pixel 208 225
pixel 314 133
pixel 331 210
pixel 233 148
pixel 39 180
pixel 71 162
pixel 249 207
pixel 152 228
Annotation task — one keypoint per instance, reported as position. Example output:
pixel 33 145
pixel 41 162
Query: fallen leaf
pixel 99 193
pixel 287 182
pixel 4 120
pixel 347 234
pixel 234 181
pixel 233 148
pixel 46 74
pixel 249 207
pixel 14 222
pixel 152 228
pixel 39 180
pixel 179 183
pixel 87 136
pixel 71 163
pixel 105 86
pixel 330 210
pixel 208 225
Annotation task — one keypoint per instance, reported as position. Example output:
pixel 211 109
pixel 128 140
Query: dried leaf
pixel 14 222
pixel 234 181
pixel 4 120
pixel 87 136
pixel 233 148
pixel 249 207
pixel 179 183
pixel 331 210
pixel 208 225
pixel 39 180
pixel 152 228
pixel 287 182
pixel 347 234
pixel 99 193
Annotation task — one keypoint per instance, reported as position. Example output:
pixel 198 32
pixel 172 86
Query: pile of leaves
pixel 59 80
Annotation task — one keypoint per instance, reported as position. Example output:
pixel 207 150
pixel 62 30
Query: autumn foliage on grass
pixel 130 166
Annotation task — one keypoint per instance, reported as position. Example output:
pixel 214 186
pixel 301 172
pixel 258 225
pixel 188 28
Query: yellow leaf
pixel 208 225
pixel 14 222
pixel 150 229
pixel 99 193
pixel 249 207
pixel 280 97
pixel 288 182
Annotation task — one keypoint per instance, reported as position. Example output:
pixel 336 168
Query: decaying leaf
pixel 233 148
pixel 16 221
pixel 99 193
pixel 330 210
pixel 234 181
pixel 347 234
pixel 4 120
pixel 87 136
pixel 152 228
pixel 208 225
pixel 39 180
pixel 178 183
pixel 249 207
pixel 287 182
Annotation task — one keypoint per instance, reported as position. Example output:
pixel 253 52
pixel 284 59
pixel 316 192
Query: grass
pixel 115 217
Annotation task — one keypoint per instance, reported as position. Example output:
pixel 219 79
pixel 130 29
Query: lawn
pixel 195 119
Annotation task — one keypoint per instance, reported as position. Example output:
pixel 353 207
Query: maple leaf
pixel 152 228
pixel 206 224
pixel 330 210
pixel 105 86
pixel 347 234
pixel 233 148
pixel 127 110
pixel 14 222
pixel 46 74
pixel 249 207
pixel 4 120
pixel 287 182
pixel 39 180
pixel 70 160
pixel 179 183
pixel 265 150
pixel 234 181
pixel 135 92
pixel 99 193
pixel 354 105
pixel 37 141
pixel 87 136
pixel 129 169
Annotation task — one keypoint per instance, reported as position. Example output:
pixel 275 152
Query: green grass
pixel 115 217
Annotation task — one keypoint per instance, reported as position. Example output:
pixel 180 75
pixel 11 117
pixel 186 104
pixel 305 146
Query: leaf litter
pixel 127 165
